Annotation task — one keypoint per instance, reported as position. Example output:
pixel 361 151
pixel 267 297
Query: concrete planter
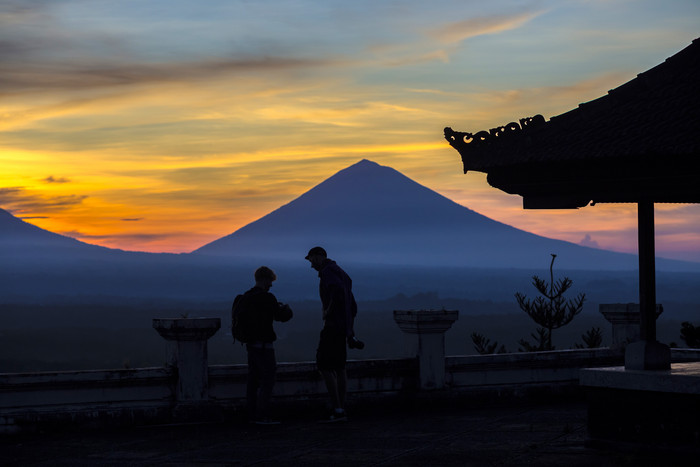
pixel 430 327
pixel 187 351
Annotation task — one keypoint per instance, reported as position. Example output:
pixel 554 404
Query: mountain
pixel 26 245
pixel 391 234
pixel 36 263
pixel 371 214
pixel 21 238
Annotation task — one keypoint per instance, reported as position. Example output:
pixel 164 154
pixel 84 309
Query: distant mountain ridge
pixel 392 234
pixel 20 238
pixel 364 214
pixel 372 214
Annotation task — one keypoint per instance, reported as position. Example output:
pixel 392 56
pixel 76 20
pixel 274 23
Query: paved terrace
pixel 432 432
pixel 511 409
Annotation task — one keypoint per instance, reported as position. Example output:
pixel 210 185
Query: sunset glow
pixel 162 126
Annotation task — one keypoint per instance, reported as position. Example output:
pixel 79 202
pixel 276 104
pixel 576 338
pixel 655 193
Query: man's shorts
pixel 331 353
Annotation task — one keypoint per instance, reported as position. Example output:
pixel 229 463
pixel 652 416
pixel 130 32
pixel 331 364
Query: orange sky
pixel 161 126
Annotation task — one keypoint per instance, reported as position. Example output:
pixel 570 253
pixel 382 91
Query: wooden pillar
pixel 647 353
pixel 647 271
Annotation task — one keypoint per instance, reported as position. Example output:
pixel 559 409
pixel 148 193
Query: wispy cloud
pixel 43 50
pixel 49 77
pixel 52 179
pixel 458 31
pixel 518 102
pixel 19 200
pixel 128 238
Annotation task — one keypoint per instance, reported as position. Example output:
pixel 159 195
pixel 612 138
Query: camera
pixel 355 343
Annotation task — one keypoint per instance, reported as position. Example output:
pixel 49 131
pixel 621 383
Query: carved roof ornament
pixel 503 131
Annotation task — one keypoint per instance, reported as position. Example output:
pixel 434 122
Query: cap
pixel 317 250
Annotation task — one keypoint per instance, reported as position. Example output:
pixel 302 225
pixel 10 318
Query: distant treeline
pixel 198 283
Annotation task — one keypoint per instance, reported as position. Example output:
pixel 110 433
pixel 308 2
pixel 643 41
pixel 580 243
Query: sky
pixel 164 125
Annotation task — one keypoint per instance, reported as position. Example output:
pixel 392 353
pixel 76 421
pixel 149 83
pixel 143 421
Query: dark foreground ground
pixel 545 434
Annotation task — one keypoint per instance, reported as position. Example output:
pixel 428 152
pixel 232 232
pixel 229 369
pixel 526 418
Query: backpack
pixel 240 319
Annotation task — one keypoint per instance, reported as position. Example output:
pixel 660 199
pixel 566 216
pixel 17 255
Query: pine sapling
pixel 551 310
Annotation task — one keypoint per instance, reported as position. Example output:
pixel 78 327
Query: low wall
pixel 554 367
pixel 188 389
pixel 30 401
pixel 148 395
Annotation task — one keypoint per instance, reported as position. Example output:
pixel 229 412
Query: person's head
pixel 264 277
pixel 317 256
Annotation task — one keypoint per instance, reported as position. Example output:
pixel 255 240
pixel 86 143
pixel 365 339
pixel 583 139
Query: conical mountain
pixel 372 214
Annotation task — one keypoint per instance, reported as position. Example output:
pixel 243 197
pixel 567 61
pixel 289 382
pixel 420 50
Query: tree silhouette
pixel 551 311
pixel 540 342
pixel 483 345
pixel 690 335
pixel 592 339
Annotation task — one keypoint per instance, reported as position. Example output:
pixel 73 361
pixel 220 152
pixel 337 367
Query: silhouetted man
pixel 339 310
pixel 258 308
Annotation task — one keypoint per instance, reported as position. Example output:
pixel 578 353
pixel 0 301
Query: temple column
pixel 429 327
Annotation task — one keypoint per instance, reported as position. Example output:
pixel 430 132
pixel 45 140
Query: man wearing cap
pixel 339 310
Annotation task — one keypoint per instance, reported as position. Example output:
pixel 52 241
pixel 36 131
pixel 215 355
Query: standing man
pixel 339 310
pixel 252 316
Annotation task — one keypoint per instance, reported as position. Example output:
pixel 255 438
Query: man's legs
pixel 267 381
pixel 336 384
pixel 330 359
pixel 342 379
pixel 253 384
pixel 262 367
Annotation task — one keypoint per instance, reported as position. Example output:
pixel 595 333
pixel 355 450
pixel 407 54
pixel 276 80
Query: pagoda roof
pixel 639 142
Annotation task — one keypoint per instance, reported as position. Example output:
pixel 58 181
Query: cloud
pixel 41 52
pixel 589 242
pixel 440 55
pixel 458 31
pixel 94 75
pixel 19 199
pixel 514 103
pixel 52 179
pixel 78 46
pixel 126 238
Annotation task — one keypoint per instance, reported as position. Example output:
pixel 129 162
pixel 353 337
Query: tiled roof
pixel 649 126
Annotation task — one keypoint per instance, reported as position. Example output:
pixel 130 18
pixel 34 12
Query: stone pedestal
pixel 625 320
pixel 640 354
pixel 647 355
pixel 187 351
pixel 429 326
